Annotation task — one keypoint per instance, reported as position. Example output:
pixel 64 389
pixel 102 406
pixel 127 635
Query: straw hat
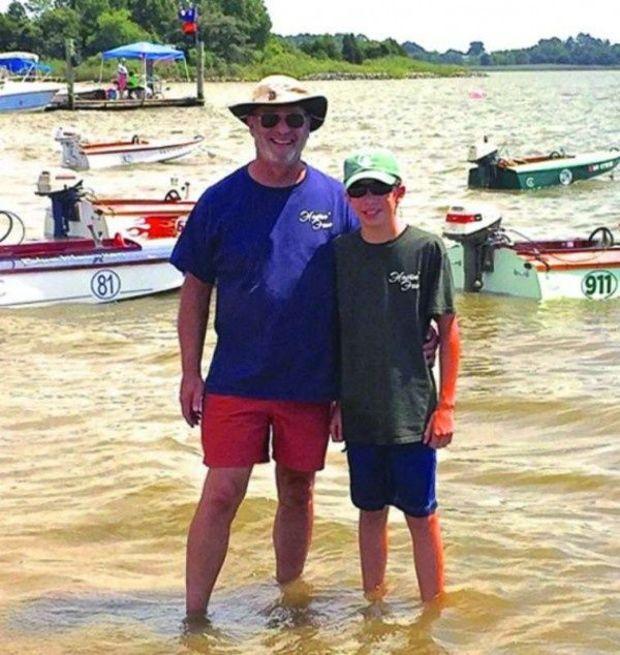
pixel 283 90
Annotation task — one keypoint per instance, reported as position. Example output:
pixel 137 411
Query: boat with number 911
pixel 486 259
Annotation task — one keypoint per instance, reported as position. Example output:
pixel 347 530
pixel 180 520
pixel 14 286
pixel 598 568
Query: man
pixel 261 235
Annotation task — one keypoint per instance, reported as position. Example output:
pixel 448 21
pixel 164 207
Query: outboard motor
pixel 71 215
pixel 484 154
pixel 64 205
pixel 473 227
pixel 72 154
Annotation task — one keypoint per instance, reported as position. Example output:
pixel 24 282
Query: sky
pixel 443 24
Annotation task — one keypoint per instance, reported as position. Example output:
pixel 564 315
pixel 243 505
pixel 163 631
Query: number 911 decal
pixel 599 285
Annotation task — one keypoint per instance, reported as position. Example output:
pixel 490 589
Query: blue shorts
pixel 402 475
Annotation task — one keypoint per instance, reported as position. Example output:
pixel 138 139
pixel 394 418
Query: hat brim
pixel 316 106
pixel 380 176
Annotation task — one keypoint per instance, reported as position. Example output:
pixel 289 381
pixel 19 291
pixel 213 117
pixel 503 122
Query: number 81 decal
pixel 105 284
pixel 599 285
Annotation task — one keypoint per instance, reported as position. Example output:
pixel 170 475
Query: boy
pixel 392 280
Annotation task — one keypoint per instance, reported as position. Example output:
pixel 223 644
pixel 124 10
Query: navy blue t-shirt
pixel 268 251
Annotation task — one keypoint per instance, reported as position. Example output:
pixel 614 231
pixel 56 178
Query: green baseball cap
pixel 371 164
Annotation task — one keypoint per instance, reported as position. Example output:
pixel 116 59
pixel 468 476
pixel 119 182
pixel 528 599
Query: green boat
pixel 495 172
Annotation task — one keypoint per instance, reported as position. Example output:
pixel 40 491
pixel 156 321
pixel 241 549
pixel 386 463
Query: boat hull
pixel 18 100
pixel 560 172
pixel 81 157
pixel 591 276
pixel 86 277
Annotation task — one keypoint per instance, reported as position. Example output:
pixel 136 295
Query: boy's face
pixel 378 204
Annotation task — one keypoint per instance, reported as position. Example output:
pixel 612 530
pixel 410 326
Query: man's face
pixel 376 207
pixel 280 133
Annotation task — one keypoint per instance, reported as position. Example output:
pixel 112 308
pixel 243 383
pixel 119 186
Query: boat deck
pixel 545 259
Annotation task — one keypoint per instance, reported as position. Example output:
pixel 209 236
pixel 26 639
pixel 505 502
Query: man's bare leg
pixel 428 554
pixel 209 533
pixel 292 530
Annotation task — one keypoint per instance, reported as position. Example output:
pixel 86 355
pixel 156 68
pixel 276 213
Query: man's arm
pixel 440 427
pixel 192 328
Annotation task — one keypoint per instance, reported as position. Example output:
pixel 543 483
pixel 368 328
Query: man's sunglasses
pixel 294 120
pixel 375 188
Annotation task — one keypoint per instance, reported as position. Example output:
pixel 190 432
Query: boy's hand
pixel 440 428
pixel 335 424
pixel 429 347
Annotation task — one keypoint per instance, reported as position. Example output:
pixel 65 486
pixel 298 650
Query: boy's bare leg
pixel 428 554
pixel 373 545
pixel 209 533
pixel 292 529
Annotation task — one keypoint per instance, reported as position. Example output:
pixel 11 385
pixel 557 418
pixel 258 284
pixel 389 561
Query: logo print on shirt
pixel 406 281
pixel 318 220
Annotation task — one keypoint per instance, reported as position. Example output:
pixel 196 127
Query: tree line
pixel 237 35
pixel 234 30
pixel 583 50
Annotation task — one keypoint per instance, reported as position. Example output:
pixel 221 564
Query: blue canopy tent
pixel 144 51
pixel 22 63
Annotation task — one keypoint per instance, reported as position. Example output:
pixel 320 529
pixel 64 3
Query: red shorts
pixel 236 432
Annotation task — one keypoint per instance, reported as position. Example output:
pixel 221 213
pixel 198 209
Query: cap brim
pixel 316 106
pixel 380 176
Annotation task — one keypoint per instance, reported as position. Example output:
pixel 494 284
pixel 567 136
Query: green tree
pixel 56 25
pixel 476 49
pixel 115 28
pixel 350 49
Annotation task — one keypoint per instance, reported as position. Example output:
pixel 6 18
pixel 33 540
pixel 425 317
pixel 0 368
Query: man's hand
pixel 440 428
pixel 335 424
pixel 190 397
pixel 429 347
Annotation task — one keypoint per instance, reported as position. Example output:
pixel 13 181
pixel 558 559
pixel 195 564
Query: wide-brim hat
pixel 277 90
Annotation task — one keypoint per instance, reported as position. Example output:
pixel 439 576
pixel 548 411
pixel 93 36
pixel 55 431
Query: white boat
pixel 81 263
pixel 81 155
pixel 22 95
pixel 486 259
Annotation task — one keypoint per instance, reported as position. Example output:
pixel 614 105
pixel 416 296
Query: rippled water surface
pixel 100 475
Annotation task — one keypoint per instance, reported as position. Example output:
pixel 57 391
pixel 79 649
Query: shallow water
pixel 100 475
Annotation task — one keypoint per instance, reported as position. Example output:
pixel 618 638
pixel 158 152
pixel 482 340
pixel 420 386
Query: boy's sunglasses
pixel 375 187
pixel 294 120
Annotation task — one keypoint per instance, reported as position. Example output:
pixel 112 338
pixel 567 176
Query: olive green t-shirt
pixel 387 295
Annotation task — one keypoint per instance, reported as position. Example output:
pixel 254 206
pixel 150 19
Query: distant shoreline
pixel 542 68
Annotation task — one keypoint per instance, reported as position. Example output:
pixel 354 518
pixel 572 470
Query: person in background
pixel 121 77
pixel 392 280
pixel 134 89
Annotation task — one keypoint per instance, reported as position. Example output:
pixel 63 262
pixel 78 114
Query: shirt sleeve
pixel 195 249
pixel 442 293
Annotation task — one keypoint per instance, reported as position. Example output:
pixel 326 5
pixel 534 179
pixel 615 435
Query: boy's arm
pixel 440 427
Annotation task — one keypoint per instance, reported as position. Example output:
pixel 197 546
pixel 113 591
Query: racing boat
pixel 80 154
pixel 486 259
pixel 557 168
pixel 136 218
pixel 81 262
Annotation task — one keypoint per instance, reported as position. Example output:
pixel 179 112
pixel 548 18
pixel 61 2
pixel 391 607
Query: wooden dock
pixel 126 104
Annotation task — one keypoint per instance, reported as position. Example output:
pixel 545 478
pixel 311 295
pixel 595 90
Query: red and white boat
pixel 145 218
pixel 136 218
pixel 81 263
pixel 81 155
